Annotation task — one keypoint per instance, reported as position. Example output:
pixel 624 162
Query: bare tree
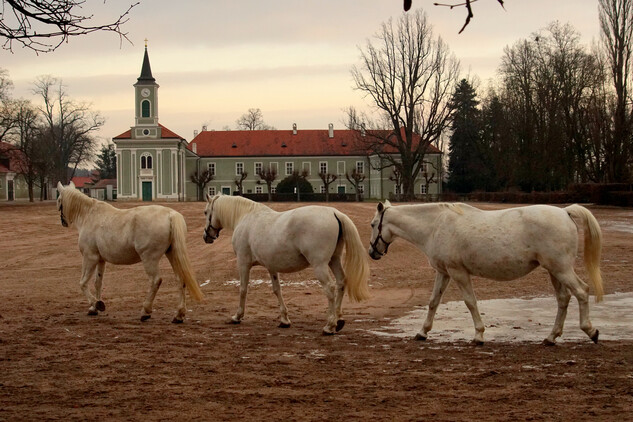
pixel 409 75
pixel 465 3
pixel 616 24
pixel 68 128
pixel 201 179
pixel 396 176
pixel 43 26
pixel 26 137
pixel 7 106
pixel 355 178
pixel 267 177
pixel 328 179
pixel 239 181
pixel 253 119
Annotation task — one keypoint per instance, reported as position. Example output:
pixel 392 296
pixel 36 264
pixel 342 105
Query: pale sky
pixel 292 59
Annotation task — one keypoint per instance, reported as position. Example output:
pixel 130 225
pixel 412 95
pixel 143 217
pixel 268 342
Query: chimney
pixel 195 133
pixel 294 128
pixel 330 129
pixel 194 148
pixel 362 129
pixel 204 128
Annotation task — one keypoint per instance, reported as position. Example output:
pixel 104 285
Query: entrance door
pixel 10 193
pixel 341 190
pixel 147 191
pixel 226 191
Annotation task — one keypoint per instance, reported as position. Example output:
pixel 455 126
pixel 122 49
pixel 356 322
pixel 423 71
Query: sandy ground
pixel 58 363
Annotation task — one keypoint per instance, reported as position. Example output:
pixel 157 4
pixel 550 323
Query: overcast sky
pixel 216 59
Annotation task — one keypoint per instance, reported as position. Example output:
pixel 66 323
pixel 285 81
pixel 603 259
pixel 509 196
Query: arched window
pixel 146 160
pixel 145 108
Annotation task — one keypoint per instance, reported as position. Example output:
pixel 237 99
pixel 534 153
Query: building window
pixel 340 167
pixel 239 168
pixel 274 167
pixel 322 188
pixel 360 167
pixel 307 167
pixel 146 160
pixel 273 189
pixel 259 189
pixel 145 108
pixel 423 189
pixel 211 168
pixel 323 167
pixel 396 189
pixel 361 188
pixel 425 167
pixel 259 167
pixel 290 167
pixel 211 190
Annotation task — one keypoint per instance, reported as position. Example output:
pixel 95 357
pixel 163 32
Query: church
pixel 156 164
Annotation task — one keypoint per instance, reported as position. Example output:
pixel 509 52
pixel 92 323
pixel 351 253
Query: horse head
pixel 213 225
pixel 378 244
pixel 60 205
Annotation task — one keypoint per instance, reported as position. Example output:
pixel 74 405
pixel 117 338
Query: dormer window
pixel 145 108
pixel 146 160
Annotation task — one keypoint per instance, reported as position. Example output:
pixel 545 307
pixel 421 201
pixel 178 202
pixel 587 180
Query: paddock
pixel 56 362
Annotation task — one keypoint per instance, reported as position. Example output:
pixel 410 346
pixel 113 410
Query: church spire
pixel 146 70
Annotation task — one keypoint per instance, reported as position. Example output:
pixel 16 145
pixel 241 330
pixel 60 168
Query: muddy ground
pixel 58 363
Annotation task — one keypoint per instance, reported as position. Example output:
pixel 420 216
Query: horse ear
pixel 208 198
pixel 387 203
pixel 59 186
pixel 72 184
pixel 380 207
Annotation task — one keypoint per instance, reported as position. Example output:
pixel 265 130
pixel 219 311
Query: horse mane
pixel 76 204
pixel 231 209
pixel 453 206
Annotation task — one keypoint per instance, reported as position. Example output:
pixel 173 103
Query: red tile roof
pixel 12 156
pixel 101 184
pixel 165 133
pixel 277 143
pixel 80 181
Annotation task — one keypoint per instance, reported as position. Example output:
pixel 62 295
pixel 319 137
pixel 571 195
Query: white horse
pixel 108 234
pixel 285 242
pixel 460 241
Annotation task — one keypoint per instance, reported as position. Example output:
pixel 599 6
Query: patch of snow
pixel 518 320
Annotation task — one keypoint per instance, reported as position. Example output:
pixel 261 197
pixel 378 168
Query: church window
pixel 145 108
pixel 146 161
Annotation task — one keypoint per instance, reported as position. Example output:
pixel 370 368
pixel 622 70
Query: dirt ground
pixel 58 363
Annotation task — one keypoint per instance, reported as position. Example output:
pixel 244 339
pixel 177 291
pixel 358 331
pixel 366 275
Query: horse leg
pixel 245 273
pixel 182 303
pixel 465 285
pixel 580 290
pixel 562 297
pixel 339 274
pixel 284 322
pixel 99 305
pixel 151 269
pixel 441 282
pixel 88 268
pixel 323 275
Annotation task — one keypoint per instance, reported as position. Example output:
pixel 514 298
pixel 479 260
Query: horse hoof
pixel 92 312
pixel 233 321
pixel 100 306
pixel 328 333
pixel 419 337
pixel 594 337
pixel 340 324
pixel 145 317
pixel 177 321
pixel 548 342
pixel 477 342
pixel 283 325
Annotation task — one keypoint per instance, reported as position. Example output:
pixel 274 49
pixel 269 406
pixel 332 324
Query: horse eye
pixel 373 225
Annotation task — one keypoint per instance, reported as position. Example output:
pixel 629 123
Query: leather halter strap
pixel 210 226
pixel 380 238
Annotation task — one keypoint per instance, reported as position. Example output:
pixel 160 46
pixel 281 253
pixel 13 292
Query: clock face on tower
pixel 145 92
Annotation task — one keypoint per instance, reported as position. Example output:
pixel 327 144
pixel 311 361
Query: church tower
pixel 146 103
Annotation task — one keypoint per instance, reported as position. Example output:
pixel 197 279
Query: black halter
pixel 62 216
pixel 210 226
pixel 379 237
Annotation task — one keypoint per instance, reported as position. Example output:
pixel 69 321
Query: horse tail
pixel 593 245
pixel 180 260
pixel 356 267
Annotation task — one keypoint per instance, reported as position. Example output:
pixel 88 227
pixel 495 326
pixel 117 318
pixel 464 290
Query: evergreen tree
pixel 106 162
pixel 467 168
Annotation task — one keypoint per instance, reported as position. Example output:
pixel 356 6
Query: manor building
pixel 154 163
